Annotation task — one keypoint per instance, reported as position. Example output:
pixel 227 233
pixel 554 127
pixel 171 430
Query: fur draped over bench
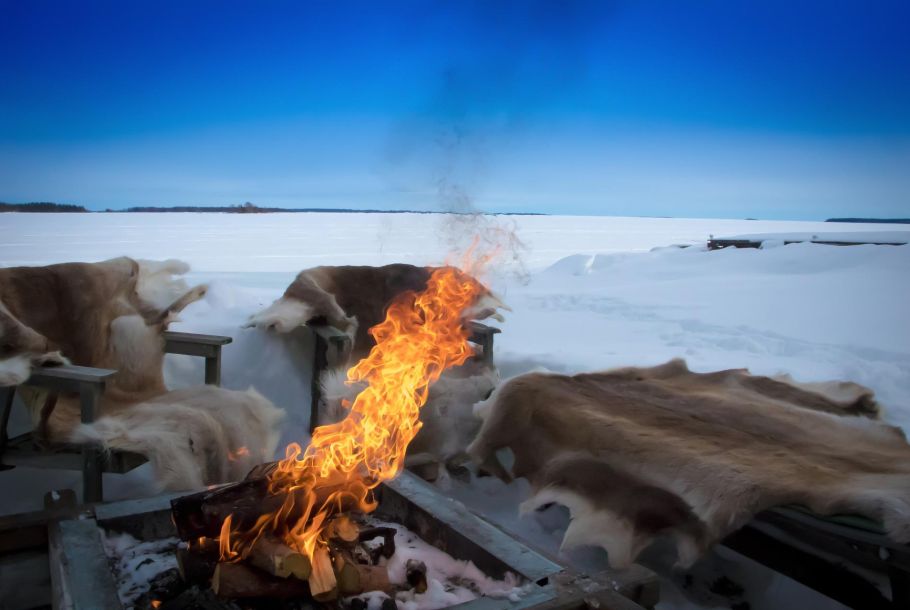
pixel 637 453
pixel 112 315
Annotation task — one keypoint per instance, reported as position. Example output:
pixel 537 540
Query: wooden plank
pixel 826 577
pixel 21 451
pixel 196 338
pixel 143 519
pixel 68 378
pixel 81 578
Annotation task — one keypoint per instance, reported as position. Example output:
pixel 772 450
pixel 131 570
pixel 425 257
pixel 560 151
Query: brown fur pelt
pixel 353 299
pixel 636 453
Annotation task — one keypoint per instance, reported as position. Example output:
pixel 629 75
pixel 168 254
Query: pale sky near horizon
pixel 710 109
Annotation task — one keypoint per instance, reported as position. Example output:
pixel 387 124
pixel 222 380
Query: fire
pixel 423 334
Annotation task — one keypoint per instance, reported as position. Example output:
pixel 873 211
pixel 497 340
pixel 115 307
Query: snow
pixel 135 562
pixel 590 293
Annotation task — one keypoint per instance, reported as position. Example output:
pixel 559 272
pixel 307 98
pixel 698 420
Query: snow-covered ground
pixel 589 293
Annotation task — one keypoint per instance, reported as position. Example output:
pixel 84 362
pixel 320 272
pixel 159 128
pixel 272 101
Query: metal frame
pixel 89 383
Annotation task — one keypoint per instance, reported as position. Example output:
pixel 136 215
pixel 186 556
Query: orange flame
pixel 423 334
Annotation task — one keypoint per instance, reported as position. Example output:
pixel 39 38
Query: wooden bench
pixel 819 552
pixel 89 384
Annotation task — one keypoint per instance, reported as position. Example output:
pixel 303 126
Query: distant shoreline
pixel 250 208
pixel 247 208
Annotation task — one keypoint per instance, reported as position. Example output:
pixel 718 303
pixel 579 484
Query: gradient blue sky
pixel 706 108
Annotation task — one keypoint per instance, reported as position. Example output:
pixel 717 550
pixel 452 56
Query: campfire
pixel 295 528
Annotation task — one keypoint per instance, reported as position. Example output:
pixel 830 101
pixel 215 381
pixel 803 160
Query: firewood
pixel 354 578
pixel 416 574
pixel 374 578
pixel 235 581
pixel 203 513
pixel 346 574
pixel 278 559
pixel 343 529
pixel 196 568
pixel 323 584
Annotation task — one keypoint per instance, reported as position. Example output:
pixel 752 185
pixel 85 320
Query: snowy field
pixel 588 293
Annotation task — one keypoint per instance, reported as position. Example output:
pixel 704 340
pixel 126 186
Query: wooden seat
pixel 818 551
pixel 25 449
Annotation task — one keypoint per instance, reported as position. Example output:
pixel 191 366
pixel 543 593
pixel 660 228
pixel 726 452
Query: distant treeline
pixel 246 208
pixel 44 206
pixel 895 221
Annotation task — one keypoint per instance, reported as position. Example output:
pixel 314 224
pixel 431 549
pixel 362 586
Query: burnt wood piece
pixel 238 581
pixel 196 567
pixel 192 344
pixel 203 513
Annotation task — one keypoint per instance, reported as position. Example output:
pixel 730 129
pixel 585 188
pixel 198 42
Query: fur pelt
pixel 192 437
pixel 112 315
pixel 353 299
pixel 636 453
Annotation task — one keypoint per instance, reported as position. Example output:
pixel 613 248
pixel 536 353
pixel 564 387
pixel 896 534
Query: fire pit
pixel 83 576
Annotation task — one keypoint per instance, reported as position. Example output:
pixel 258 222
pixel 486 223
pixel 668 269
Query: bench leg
pixel 320 362
pixel 6 402
pixel 92 457
pixel 92 469
pixel 213 369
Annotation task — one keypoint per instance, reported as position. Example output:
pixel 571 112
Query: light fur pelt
pixel 638 453
pixel 192 437
pixel 447 420
pixel 113 315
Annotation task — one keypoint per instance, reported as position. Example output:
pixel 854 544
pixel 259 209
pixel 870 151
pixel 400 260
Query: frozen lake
pixel 291 242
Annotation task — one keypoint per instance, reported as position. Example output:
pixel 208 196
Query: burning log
pixel 203 513
pixel 323 584
pixel 237 581
pixel 194 567
pixel 342 529
pixel 416 574
pixel 278 559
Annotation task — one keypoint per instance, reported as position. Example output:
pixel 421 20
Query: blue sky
pixel 705 108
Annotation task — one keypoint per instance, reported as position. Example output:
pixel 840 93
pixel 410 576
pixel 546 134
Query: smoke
pixel 505 67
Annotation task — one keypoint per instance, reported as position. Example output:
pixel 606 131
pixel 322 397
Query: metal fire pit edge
pixel 81 582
